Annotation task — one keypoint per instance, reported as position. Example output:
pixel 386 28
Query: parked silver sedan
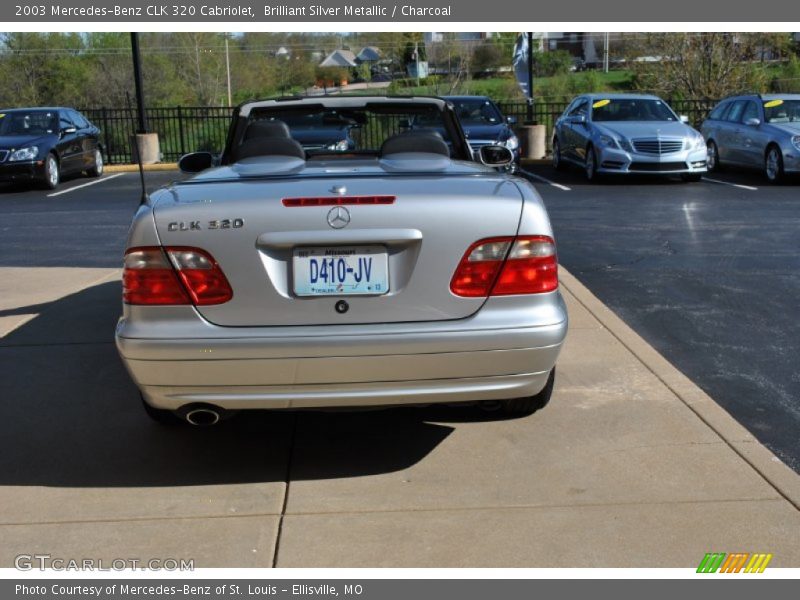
pixel 405 271
pixel 627 133
pixel 755 131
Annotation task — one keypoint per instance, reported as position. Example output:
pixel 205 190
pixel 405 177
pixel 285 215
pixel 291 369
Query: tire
pixel 712 160
pixel 691 177
pixel 97 169
pixel 522 407
pixel 590 166
pixel 558 163
pixel 160 415
pixel 773 164
pixel 52 173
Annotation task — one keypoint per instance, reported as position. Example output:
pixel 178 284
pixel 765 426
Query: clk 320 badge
pixel 195 225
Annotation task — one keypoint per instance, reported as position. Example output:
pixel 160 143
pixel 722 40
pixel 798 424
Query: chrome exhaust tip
pixel 203 416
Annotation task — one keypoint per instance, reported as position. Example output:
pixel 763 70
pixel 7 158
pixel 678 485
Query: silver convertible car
pixel 756 131
pixel 405 271
pixel 627 133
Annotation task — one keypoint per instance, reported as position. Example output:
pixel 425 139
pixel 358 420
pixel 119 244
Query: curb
pixel 783 479
pixel 135 168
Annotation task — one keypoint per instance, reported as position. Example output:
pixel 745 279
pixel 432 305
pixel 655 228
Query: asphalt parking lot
pixel 708 273
pixel 630 465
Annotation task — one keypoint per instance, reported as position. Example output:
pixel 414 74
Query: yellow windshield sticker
pixel 601 103
pixel 2 115
pixel 773 103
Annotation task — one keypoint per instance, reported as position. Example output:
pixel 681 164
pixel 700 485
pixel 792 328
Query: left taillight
pixel 173 275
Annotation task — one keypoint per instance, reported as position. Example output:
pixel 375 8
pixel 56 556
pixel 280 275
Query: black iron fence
pixel 184 129
pixel 181 129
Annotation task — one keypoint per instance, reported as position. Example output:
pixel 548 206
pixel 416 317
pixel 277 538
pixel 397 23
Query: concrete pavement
pixel 630 465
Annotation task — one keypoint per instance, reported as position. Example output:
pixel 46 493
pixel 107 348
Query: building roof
pixel 369 54
pixel 339 58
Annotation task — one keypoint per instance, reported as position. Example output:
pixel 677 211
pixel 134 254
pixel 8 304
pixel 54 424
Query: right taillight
pixel 174 275
pixel 507 266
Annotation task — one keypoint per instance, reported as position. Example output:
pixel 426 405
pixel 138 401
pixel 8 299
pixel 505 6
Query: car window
pixel 78 119
pixel 36 122
pixel 476 112
pixel 782 111
pixel 580 108
pixel 631 109
pixel 719 112
pixel 735 113
pixel 750 112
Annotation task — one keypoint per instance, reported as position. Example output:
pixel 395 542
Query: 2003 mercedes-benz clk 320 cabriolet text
pixel 407 270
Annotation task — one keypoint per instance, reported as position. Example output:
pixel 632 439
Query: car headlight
pixel 607 140
pixel 695 143
pixel 29 153
pixel 340 146
pixel 511 143
pixel 796 141
pixel 625 145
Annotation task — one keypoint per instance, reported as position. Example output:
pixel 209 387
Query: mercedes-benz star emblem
pixel 338 217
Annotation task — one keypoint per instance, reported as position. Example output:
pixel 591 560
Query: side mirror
pixel 196 162
pixel 753 122
pixel 511 120
pixel 577 119
pixel 684 119
pixel 495 156
pixel 68 130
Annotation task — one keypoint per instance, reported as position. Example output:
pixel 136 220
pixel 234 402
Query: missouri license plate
pixel 340 271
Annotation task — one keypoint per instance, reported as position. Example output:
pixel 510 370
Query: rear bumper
pixel 489 356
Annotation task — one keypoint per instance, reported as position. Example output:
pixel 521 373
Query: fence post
pixel 180 131
pixel 104 119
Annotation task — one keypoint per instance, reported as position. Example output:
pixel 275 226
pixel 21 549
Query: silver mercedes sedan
pixel 756 131
pixel 405 271
pixel 627 133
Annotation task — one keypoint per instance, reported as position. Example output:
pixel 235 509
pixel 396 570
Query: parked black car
pixel 484 124
pixel 43 144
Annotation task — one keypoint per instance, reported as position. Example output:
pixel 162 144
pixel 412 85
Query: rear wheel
pixel 52 176
pixel 558 164
pixel 97 169
pixel 773 164
pixel 712 159
pixel 522 407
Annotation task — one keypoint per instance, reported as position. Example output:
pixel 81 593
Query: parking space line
pixel 545 180
pixel 736 185
pixel 77 187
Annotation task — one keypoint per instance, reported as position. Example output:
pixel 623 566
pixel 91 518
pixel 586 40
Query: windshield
pixel 476 112
pixel 370 125
pixel 33 122
pixel 630 109
pixel 782 111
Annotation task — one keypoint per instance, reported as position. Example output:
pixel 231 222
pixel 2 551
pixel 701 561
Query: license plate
pixel 340 271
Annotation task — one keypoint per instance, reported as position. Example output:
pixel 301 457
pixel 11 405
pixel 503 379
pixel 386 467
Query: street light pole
pixel 137 80
pixel 529 115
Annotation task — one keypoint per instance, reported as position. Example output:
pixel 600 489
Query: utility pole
pixel 605 53
pixel 228 69
pixel 416 58
pixel 137 79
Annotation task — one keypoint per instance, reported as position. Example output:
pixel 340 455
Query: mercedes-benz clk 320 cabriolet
pixel 405 271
